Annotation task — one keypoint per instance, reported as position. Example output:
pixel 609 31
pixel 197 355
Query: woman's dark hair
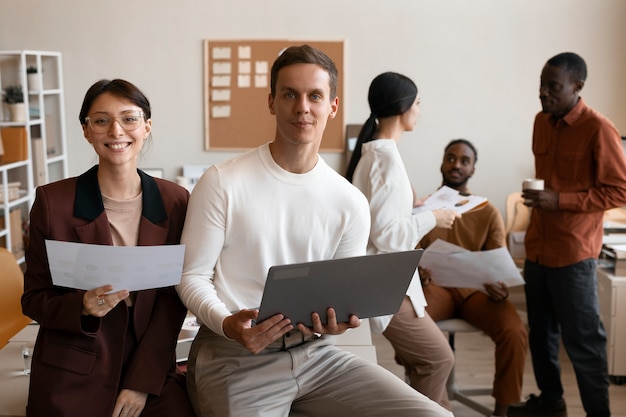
pixel 304 54
pixel 390 94
pixel 117 87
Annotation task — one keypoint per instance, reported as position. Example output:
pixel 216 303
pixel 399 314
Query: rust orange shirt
pixel 581 157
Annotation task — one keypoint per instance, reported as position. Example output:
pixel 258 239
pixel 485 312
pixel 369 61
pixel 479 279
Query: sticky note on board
pixel 244 52
pixel 220 94
pixel 220 112
pixel 220 52
pixel 220 81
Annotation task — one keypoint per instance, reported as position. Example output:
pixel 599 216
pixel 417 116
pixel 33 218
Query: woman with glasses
pixel 104 353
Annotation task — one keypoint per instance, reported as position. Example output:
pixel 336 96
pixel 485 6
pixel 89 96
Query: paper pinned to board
pixel 446 198
pixel 454 266
pixel 133 268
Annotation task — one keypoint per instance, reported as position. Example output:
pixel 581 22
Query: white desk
pixel 357 341
pixel 13 382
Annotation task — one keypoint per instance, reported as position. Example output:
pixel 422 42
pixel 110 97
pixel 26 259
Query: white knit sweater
pixel 247 214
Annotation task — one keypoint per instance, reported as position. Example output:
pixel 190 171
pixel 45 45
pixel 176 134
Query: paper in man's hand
pixel 447 198
pixel 454 266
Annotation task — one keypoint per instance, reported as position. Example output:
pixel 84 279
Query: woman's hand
pixel 98 303
pixel 445 218
pixel 129 403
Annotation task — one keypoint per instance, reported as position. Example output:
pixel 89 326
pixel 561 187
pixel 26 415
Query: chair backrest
pixel 517 218
pixel 517 215
pixel 11 288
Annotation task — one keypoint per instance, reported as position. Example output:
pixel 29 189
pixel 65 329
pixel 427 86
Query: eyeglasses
pixel 129 120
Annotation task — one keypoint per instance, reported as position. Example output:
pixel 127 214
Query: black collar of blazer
pixel 89 205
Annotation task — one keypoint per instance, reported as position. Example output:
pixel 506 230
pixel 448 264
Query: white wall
pixel 476 62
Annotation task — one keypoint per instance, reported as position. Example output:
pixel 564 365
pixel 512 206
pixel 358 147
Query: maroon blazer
pixel 77 367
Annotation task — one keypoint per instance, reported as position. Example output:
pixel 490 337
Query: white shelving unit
pixel 45 150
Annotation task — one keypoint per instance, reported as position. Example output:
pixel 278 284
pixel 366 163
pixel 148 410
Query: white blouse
pixel 381 176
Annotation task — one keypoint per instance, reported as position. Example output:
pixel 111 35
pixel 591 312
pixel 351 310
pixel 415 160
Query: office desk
pixel 13 382
pixel 357 341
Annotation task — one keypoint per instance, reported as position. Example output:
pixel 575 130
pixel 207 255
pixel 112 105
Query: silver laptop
pixel 366 286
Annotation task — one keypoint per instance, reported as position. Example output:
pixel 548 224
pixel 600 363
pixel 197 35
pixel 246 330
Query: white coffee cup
pixel 532 184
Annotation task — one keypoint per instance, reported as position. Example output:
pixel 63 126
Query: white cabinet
pixel 612 299
pixel 35 149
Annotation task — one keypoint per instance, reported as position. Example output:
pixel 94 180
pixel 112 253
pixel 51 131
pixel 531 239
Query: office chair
pixel 462 395
pixel 517 218
pixel 11 288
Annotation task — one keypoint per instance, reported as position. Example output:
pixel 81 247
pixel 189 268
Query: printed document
pixel 133 268
pixel 447 198
pixel 454 266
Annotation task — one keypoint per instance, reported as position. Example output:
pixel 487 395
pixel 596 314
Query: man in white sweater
pixel 280 204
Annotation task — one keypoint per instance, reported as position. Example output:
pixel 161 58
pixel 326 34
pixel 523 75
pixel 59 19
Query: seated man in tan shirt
pixel 490 311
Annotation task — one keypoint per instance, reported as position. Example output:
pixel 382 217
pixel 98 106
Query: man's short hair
pixel 463 142
pixel 572 63
pixel 304 54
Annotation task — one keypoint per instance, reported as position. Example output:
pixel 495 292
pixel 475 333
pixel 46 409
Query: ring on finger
pixel 100 301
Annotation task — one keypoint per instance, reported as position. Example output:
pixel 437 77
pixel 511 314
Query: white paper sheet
pixel 454 266
pixel 132 268
pixel 447 198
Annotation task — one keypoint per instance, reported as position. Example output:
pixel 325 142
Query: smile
pixel 119 145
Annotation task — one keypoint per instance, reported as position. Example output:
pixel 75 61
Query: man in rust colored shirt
pixel 578 153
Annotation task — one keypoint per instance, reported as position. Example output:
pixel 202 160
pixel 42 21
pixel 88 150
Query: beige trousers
pixel 423 350
pixel 314 379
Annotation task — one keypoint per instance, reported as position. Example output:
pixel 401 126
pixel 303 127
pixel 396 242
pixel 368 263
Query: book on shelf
pixel 13 192
pixel 39 162
pixel 52 133
pixel 14 144
pixel 17 234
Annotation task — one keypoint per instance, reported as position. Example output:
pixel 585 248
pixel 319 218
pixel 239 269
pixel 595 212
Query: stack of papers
pixel 454 266
pixel 447 198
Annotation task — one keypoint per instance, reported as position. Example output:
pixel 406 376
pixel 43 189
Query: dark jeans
pixel 563 302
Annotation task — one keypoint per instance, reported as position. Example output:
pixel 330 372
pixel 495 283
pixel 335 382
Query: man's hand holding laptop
pixel 256 338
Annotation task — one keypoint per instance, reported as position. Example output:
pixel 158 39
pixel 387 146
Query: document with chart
pixel 447 198
pixel 454 266
pixel 133 268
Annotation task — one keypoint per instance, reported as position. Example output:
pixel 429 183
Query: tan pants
pixel 314 379
pixel 423 350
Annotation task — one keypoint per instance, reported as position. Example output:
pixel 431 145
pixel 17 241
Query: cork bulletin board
pixel 236 89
